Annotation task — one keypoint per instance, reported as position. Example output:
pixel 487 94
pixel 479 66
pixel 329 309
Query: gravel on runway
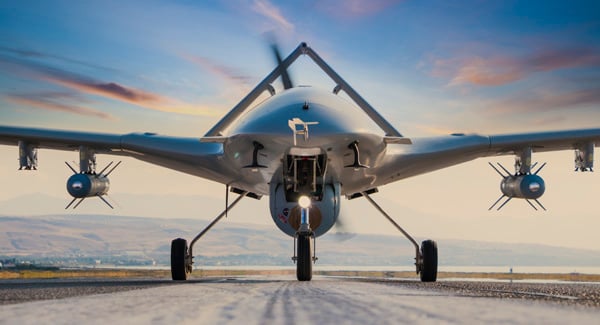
pixel 584 294
pixel 17 291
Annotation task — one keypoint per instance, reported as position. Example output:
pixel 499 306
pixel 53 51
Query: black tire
pixel 430 261
pixel 179 249
pixel 304 262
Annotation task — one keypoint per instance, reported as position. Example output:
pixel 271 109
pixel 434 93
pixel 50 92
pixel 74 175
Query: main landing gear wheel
pixel 179 252
pixel 429 255
pixel 304 258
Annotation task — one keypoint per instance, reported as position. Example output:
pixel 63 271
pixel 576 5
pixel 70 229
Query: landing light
pixel 304 202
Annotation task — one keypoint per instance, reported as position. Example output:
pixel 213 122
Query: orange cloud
pixel 47 103
pixel 501 70
pixel 545 101
pixel 110 90
pixel 226 73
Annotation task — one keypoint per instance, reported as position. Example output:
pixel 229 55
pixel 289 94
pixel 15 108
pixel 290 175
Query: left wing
pixel 187 155
pixel 430 154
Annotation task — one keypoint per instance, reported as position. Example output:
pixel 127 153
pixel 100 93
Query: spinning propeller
pixel 285 75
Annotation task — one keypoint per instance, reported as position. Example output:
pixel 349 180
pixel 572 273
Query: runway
pixel 282 300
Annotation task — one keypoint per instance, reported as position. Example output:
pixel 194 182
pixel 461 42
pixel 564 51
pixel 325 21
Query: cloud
pixel 106 89
pixel 110 90
pixel 434 129
pixel 501 70
pixel 28 53
pixel 538 102
pixel 354 8
pixel 51 101
pixel 270 11
pixel 225 73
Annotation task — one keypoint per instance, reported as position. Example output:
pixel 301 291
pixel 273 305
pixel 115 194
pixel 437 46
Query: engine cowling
pixel 85 185
pixel 322 214
pixel 524 186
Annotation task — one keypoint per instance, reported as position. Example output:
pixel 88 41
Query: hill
pixel 87 239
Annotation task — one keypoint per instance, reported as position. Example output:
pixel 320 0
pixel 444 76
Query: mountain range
pixel 82 239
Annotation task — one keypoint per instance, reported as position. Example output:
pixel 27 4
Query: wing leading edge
pixel 186 155
pixel 430 154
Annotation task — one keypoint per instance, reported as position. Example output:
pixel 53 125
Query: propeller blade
pixel 343 232
pixel 285 76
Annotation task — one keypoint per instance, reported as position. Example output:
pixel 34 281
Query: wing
pixel 187 155
pixel 429 154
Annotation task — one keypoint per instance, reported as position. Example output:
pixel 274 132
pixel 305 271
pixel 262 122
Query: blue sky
pixel 176 67
pixel 527 63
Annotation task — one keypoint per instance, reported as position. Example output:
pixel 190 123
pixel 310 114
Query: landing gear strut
pixel 304 243
pixel 182 257
pixel 426 259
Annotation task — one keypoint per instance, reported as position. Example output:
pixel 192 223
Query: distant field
pixel 165 274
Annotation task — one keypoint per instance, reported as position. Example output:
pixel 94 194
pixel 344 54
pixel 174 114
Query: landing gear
pixel 304 257
pixel 182 256
pixel 430 260
pixel 426 259
pixel 179 260
pixel 303 243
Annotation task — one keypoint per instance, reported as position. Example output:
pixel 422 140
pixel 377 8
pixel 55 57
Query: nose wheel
pixel 304 256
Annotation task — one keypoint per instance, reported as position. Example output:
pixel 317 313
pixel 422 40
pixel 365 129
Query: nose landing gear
pixel 304 243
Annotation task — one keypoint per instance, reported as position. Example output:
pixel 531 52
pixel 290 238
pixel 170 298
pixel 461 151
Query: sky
pixel 429 67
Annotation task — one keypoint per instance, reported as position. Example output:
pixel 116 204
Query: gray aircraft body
pixel 306 149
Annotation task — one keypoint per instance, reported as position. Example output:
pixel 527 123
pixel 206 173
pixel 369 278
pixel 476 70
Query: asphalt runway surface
pixel 283 300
